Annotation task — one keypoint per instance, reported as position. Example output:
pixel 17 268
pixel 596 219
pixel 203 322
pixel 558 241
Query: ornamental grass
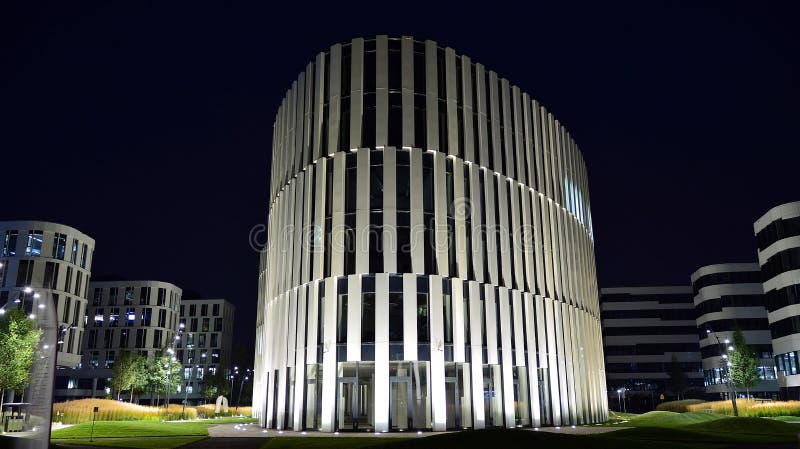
pixel 81 410
pixel 207 411
pixel 751 408
pixel 678 406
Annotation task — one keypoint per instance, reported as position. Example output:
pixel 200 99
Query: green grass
pixel 119 429
pixel 668 419
pixel 136 443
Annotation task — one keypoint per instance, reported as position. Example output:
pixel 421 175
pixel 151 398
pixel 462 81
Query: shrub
pixel 751 408
pixel 678 406
pixel 79 411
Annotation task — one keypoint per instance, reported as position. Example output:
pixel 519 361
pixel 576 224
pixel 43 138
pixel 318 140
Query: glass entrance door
pixel 400 403
pixel 348 404
pixel 453 400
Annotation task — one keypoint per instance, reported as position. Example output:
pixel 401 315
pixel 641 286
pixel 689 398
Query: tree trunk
pixel 2 398
pixel 131 400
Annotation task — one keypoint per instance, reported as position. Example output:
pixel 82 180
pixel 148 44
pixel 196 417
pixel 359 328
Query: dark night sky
pixel 149 127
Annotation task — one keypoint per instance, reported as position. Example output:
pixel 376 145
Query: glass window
pixel 215 309
pixel 157 338
pixel 24 273
pixel 192 310
pixel 396 316
pixel 98 317
pixel 162 297
pixel 144 296
pixel 217 324
pixel 123 338
pixel 33 246
pixel 50 275
pixel 73 257
pixel 128 295
pixel 113 317
pixel 59 246
pixel 214 340
pixel 341 319
pixel 10 243
pixel 422 318
pixel 147 315
pixel 84 250
pixel 201 341
pixel 141 338
pixel 162 318
pixel 206 325
pixel 368 317
pixel 204 310
pixel 130 317
pixel 97 299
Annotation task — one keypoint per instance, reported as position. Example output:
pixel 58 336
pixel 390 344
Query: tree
pixel 216 384
pixel 744 363
pixel 123 376
pixel 18 341
pixel 677 381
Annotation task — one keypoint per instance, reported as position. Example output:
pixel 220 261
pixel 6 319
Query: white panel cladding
pixel 459 346
pixel 431 98
pixel 356 92
pixel 381 352
pixel 491 324
pixel 407 85
pixel 328 317
pixel 362 210
pixel 524 182
pixel 440 213
pixel 532 358
pixel 504 321
pixel 337 220
pixel 477 341
pixel 389 237
pixel 451 102
pixel 300 371
pixel 409 316
pixel 437 354
pixel 381 92
pixel 417 219
pixel 354 318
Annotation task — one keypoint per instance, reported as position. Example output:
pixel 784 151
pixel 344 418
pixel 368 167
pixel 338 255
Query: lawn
pixel 120 429
pixel 135 443
pixel 655 430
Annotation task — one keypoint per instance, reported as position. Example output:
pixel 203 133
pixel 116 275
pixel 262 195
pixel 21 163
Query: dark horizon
pixel 149 128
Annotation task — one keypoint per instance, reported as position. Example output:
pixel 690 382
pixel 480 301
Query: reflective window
pixel 59 246
pixel 33 246
pixel 10 243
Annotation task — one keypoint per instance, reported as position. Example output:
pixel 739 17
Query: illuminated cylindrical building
pixel 430 259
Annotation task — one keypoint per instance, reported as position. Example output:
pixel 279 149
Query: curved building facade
pixel 40 261
pixel 778 238
pixel 726 297
pixel 430 260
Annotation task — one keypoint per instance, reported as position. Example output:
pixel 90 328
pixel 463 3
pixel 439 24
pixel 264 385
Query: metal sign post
pixel 94 415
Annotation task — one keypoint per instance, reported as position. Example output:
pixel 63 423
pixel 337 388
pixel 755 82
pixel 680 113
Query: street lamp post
pixel 241 385
pixel 186 393
pixel 726 364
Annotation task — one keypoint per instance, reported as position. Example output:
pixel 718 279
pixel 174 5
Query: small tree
pixel 18 341
pixel 123 376
pixel 744 363
pixel 216 384
pixel 677 381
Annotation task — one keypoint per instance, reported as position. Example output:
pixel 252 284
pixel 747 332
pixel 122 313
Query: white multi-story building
pixel 643 329
pixel 45 263
pixel 140 317
pixel 206 343
pixel 431 258
pixel 778 237
pixel 729 297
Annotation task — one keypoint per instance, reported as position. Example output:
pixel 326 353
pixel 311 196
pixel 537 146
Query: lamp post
pixel 726 364
pixel 241 385
pixel 171 352
pixel 186 394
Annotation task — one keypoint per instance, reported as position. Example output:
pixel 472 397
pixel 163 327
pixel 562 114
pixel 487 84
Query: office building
pixel 645 331
pixel 778 238
pixel 430 262
pixel 44 263
pixel 728 297
pixel 205 346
